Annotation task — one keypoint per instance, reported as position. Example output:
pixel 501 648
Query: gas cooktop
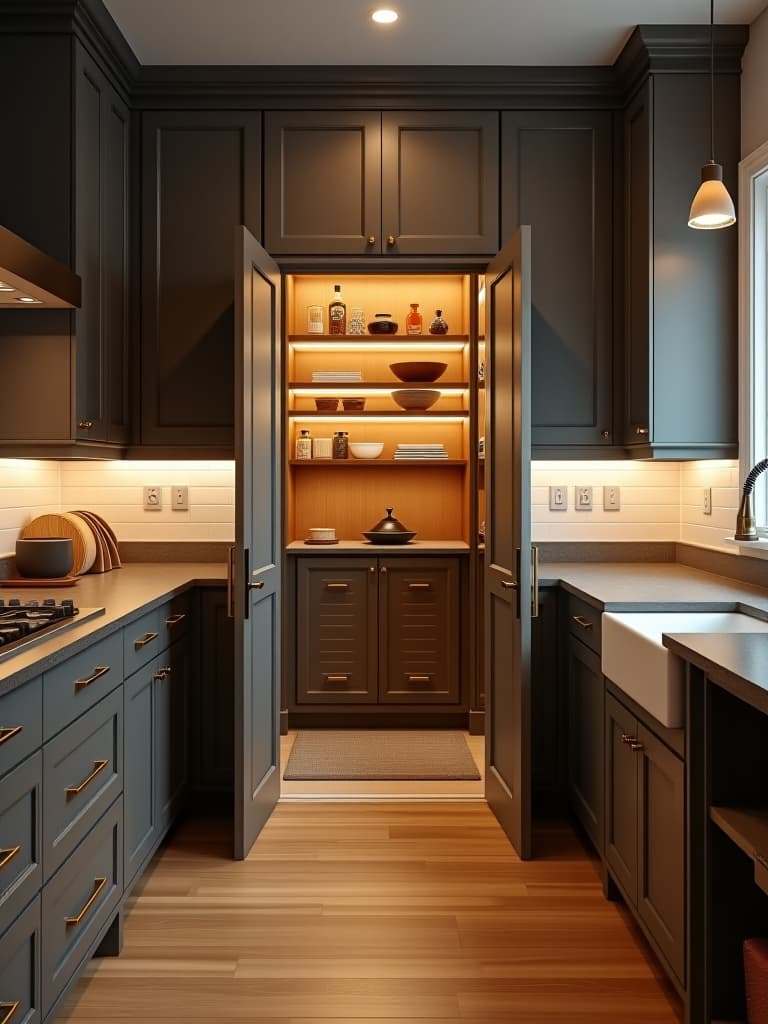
pixel 26 622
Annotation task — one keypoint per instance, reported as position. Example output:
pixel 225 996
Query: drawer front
pixel 79 901
pixel 584 621
pixel 82 775
pixel 144 639
pixel 21 724
pixel 20 1001
pixel 176 618
pixel 72 688
pixel 20 860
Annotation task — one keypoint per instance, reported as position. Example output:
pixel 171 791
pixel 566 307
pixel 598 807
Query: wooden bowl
pixel 416 398
pixel 416 371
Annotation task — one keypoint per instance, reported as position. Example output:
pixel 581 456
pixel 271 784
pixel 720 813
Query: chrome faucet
pixel 746 527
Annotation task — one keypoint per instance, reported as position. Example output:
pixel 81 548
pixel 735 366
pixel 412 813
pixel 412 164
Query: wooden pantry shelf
pixel 388 385
pixel 747 827
pixel 417 340
pixel 341 414
pixel 353 463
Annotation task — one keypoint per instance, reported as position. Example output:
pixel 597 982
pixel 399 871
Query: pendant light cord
pixel 712 79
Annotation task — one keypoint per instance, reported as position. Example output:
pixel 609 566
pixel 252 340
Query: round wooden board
pixel 103 561
pixel 109 536
pixel 53 524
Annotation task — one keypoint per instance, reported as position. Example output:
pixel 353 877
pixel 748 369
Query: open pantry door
pixel 255 567
pixel 508 576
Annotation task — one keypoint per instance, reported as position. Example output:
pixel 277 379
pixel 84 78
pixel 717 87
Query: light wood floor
pixel 382 912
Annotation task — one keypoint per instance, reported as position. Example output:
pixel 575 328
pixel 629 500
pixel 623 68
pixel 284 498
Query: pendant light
pixel 712 206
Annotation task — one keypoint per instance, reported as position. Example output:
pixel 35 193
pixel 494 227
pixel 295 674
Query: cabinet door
pixel 557 176
pixel 171 710
pixel 214 717
pixel 440 182
pixel 419 631
pixel 585 738
pixel 322 182
pixel 140 834
pixel 621 795
pixel 661 846
pixel 336 631
pixel 200 179
pixel 20 969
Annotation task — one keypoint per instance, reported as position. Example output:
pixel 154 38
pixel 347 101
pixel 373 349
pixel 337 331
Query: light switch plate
pixel 583 499
pixel 558 498
pixel 611 498
pixel 153 498
pixel 180 499
pixel 707 504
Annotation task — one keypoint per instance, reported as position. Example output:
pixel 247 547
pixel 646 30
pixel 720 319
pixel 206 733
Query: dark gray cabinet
pixel 201 177
pixel 400 182
pixel 645 829
pixel 212 712
pixel 680 322
pixel 585 694
pixel 20 950
pixel 557 176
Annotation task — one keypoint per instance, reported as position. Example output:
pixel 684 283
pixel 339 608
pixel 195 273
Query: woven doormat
pixel 363 754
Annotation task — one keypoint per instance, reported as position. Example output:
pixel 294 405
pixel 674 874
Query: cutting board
pixel 108 534
pixel 66 524
pixel 103 561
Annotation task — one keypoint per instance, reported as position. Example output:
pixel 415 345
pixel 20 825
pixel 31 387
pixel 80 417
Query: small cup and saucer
pixel 322 535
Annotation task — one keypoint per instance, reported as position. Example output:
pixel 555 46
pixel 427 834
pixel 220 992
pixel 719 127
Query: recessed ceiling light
pixel 26 298
pixel 384 16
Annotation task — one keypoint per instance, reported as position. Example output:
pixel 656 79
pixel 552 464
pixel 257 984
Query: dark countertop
pixel 737 662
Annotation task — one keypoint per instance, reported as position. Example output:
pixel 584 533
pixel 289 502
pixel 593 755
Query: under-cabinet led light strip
pixel 352 392
pixel 298 417
pixel 368 345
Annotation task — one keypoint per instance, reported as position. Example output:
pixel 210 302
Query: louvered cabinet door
pixel 336 631
pixel 419 634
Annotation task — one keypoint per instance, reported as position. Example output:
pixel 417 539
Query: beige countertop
pixel 365 547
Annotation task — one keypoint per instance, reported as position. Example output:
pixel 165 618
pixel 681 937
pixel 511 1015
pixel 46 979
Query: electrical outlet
pixel 707 505
pixel 180 499
pixel 611 499
pixel 153 498
pixel 558 499
pixel 584 499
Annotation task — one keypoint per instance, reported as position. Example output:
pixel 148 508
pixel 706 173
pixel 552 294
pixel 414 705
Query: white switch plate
pixel 153 498
pixel 707 504
pixel 180 499
pixel 611 498
pixel 583 499
pixel 558 498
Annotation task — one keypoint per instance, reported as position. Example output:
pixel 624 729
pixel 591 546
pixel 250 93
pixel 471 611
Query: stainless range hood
pixel 30 279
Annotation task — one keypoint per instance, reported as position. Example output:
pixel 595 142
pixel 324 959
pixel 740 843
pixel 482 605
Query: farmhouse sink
pixel 634 659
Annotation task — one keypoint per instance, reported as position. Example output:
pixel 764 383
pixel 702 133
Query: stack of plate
pixel 337 376
pixel 421 451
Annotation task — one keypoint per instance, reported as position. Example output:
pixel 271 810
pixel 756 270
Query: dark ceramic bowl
pixel 382 327
pixel 389 536
pixel 44 558
pixel 419 372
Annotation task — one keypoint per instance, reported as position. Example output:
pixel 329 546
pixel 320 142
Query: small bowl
pixel 366 449
pixel 322 533
pixel 353 404
pixel 326 404
pixel 382 327
pixel 415 371
pixel 44 558
pixel 416 398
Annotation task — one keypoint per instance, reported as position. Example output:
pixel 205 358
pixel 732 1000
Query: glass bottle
pixel 413 321
pixel 341 444
pixel 337 313
pixel 304 445
pixel 438 325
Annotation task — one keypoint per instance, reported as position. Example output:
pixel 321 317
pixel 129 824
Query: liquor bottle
pixel 438 325
pixel 413 321
pixel 304 445
pixel 337 313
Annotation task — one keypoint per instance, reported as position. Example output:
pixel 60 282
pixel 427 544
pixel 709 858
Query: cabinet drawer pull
pixel 371 239
pixel 11 1008
pixel 581 621
pixel 6 856
pixel 98 767
pixel 337 679
pixel 175 619
pixel 7 732
pixel 419 586
pixel 627 739
pixel 418 679
pixel 636 746
pixel 509 584
pixel 391 239
pixel 337 586
pixel 144 640
pixel 98 885
pixel 85 424
pixel 98 672
pixel 641 431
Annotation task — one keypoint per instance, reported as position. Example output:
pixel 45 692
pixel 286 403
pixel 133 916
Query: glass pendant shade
pixel 712 206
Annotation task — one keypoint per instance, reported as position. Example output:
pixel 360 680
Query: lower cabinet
pixel 20 989
pixel 585 692
pixel 645 828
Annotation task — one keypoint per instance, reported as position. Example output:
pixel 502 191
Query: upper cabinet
pixel 680 301
pixel 557 169
pixel 200 179
pixel 398 183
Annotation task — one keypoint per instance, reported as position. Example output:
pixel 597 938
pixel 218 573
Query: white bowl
pixel 366 449
pixel 322 533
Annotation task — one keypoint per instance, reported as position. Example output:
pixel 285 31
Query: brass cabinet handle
pixel 509 584
pixel 391 239
pixel 7 732
pixel 6 856
pixel 641 431
pixel 371 239
pixel 258 585
pixel 98 885
pixel 581 621
pixel 626 738
pixel 175 619
pixel 337 679
pixel 11 1008
pixel 384 570
pixel 419 586
pixel 418 679
pixel 636 746
pixel 85 424
pixel 605 434
pixel 162 674
pixel 337 586
pixel 144 640
pixel 98 672
pixel 98 767
pixel 534 581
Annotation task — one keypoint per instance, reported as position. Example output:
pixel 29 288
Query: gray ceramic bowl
pixel 44 558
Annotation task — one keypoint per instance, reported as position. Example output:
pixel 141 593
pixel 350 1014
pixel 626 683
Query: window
pixel 753 322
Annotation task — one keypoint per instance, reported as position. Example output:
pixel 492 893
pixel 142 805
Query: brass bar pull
pixel 509 584
pixel 534 581
pixel 98 672
pixel 627 739
pixel 418 679
pixel 337 679
pixel 6 856
pixel 11 1008
pixel 337 586
pixel 371 239
pixel 85 424
pixel 636 746
pixel 98 885
pixel 641 431
pixel 98 767
pixel 419 586
pixel 7 732
pixel 258 585
pixel 581 621
pixel 391 239
pixel 175 620
pixel 144 640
